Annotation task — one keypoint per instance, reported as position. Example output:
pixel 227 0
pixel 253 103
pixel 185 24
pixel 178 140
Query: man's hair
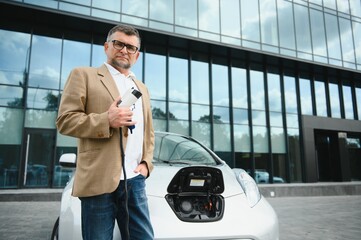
pixel 126 29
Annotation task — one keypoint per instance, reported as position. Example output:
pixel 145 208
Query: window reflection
pixel 286 24
pixel 230 18
pixel 200 82
pixel 334 100
pixel 242 141
pixel 11 96
pixel 250 20
pixel 178 79
pixel 290 94
pixel 269 31
pixel 347 99
pixel 321 104
pixel 98 55
pixel 294 153
pixel 220 85
pixel 333 39
pixel 347 40
pixel 318 33
pixel 257 90
pixel 305 95
pixel 45 67
pixel 209 15
pixel 155 75
pixel 75 54
pixel 42 99
pixel 274 92
pixel 186 13
pixel 260 140
pixel 161 10
pixel 14 57
pixel 239 88
pixel 303 37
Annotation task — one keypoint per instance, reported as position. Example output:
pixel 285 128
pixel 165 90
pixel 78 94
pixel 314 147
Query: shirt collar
pixel 115 72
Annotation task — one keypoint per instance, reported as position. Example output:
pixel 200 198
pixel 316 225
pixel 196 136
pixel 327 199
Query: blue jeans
pixel 98 213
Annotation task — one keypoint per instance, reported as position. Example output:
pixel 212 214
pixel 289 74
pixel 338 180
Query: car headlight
pixel 249 187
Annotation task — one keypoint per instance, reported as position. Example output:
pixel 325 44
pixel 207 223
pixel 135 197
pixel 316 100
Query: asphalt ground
pixel 322 217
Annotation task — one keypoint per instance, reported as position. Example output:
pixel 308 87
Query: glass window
pixel 334 100
pixel 278 140
pixel 72 58
pixel 136 8
pixel 274 92
pixel 330 4
pixel 318 33
pixel 269 31
pixel 294 154
pixel 201 131
pixel 348 51
pixel 276 119
pixel 209 15
pixel 321 104
pixel 257 90
pixel 279 168
pixel 260 139
pixel 305 95
pixel 45 67
pixel 186 13
pixel 178 111
pixel 137 68
pixel 230 18
pixel 333 37
pixel 220 90
pixel 286 24
pixel 357 37
pixel 355 6
pixel 11 96
pixel 240 116
pixel 11 126
pixel 250 20
pixel 290 94
pixel 242 141
pixel 40 119
pixel 239 87
pixel 358 102
pixel 200 82
pixel 14 57
pixel 178 79
pixel 347 102
pixel 221 114
pixel 111 5
pixel 70 7
pixel 161 10
pixel 155 75
pixel 42 99
pixel 292 120
pixel 303 36
pixel 222 137
pixel 98 55
pixel 179 126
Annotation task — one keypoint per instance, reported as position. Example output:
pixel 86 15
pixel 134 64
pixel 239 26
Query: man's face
pixel 121 59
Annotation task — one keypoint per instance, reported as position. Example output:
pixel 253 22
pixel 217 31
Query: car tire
pixel 55 232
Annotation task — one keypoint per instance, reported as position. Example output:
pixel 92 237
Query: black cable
pixel 127 235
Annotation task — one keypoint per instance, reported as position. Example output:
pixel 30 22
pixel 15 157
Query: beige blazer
pixel 87 96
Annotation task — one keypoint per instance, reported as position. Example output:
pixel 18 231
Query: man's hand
pixel 119 116
pixel 142 169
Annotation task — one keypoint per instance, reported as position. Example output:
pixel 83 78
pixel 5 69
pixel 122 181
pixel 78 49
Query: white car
pixel 192 194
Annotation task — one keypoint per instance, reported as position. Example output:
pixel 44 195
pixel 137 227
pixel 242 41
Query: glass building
pixel 272 86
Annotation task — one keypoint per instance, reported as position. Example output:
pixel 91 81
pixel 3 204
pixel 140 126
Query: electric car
pixel 192 194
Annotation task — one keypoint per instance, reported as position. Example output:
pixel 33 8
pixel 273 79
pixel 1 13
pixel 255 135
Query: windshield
pixel 176 149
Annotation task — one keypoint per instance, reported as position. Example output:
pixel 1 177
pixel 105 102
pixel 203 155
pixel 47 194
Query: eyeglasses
pixel 120 45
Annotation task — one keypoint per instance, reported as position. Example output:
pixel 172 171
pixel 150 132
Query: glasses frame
pixel 129 47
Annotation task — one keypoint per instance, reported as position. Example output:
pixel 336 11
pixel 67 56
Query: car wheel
pixel 55 233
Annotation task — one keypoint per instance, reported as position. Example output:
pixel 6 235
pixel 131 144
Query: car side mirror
pixel 68 160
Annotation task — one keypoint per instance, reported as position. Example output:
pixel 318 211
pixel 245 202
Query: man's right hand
pixel 119 116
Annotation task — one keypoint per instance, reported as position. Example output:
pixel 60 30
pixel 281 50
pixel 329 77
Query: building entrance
pixel 327 156
pixel 37 157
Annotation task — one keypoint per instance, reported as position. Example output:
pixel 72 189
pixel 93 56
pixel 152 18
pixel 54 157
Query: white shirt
pixel 134 148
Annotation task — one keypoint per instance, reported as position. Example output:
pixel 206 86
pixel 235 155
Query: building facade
pixel 272 86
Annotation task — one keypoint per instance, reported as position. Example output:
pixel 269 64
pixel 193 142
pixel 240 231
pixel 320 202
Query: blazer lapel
pixel 108 81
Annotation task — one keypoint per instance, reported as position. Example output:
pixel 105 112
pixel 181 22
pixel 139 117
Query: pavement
pixel 332 213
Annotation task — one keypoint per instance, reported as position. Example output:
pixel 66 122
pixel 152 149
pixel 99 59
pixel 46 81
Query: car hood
pixel 161 176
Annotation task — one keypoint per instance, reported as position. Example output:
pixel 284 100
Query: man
pixel 89 111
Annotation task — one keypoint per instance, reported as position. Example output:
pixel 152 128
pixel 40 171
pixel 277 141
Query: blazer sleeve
pixel 82 113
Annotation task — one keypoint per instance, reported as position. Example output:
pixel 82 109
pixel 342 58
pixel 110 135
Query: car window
pixel 175 149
